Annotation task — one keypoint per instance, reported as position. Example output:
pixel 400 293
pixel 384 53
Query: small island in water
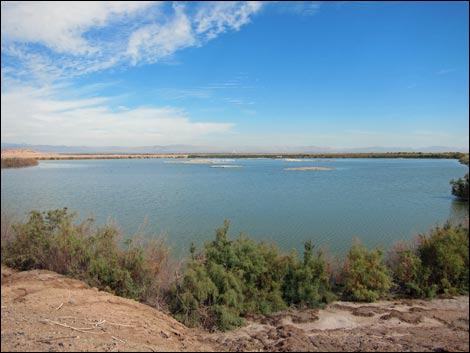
pixel 310 168
pixel 226 166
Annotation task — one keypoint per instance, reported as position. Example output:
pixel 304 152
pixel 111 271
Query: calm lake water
pixel 378 201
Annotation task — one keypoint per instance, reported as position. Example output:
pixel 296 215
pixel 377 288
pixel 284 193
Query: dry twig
pixel 55 338
pixel 81 329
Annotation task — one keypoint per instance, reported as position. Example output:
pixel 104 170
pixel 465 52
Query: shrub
pixel 51 240
pixel 233 278
pixel 408 274
pixel 444 256
pixel 228 279
pixel 307 283
pixel 364 275
pixel 460 187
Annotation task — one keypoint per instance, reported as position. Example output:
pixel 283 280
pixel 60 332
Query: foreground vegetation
pixel 15 162
pixel 231 278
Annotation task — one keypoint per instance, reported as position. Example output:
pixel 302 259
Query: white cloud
pixel 54 40
pixel 218 17
pixel 61 25
pixel 156 41
pixel 33 115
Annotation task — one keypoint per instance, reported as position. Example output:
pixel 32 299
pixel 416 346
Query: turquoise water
pixel 378 201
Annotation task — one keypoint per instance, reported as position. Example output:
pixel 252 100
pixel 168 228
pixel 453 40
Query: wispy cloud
pixel 238 101
pixel 53 40
pixel 303 8
pixel 36 115
pixel 214 18
pixel 61 26
pixel 445 71
pixel 175 93
pixel 156 41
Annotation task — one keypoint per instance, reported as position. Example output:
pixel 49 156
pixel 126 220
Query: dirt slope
pixel 36 305
pixel 44 311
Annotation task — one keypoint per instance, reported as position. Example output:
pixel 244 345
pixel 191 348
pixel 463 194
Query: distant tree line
pixel 431 155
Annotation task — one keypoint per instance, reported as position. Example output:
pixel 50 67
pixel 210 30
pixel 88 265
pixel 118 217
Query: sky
pixel 230 74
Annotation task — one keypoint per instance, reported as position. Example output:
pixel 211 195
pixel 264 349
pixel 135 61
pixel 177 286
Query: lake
pixel 378 201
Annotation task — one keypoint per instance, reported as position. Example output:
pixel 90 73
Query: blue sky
pixel 231 74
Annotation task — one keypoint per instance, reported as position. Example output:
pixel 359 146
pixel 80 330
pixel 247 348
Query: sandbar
pixel 310 168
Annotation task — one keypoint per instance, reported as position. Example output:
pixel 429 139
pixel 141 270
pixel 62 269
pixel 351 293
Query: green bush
pixel 307 283
pixel 364 276
pixel 408 274
pixel 51 240
pixel 230 278
pixel 444 256
pixel 460 187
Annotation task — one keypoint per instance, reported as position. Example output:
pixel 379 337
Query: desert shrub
pixel 364 276
pixel 8 218
pixel 408 274
pixel 51 240
pixel 228 279
pixel 307 283
pixel 444 256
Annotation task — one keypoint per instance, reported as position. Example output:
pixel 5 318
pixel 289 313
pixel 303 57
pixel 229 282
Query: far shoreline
pixel 21 153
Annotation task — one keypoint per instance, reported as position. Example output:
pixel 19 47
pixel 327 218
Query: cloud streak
pixel 37 116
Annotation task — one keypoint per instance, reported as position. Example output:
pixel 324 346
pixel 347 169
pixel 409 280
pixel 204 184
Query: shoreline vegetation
pixel 26 153
pixel 229 279
pixel 17 162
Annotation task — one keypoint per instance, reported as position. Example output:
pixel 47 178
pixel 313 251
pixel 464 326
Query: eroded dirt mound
pixel 44 311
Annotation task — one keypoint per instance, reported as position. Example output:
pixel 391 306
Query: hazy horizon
pixel 236 75
pixel 181 148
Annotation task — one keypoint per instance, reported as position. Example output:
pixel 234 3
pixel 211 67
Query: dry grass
pixel 16 162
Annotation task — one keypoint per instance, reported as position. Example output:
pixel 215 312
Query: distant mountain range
pixel 212 149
